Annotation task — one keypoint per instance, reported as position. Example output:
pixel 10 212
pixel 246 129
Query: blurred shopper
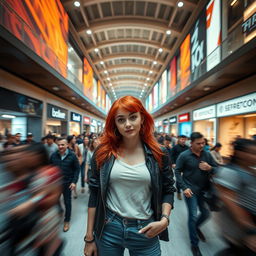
pixel 196 165
pixel 91 148
pixel 236 183
pixel 215 152
pixel 17 140
pixel 167 144
pixel 131 173
pixel 29 194
pixel 206 145
pixel 10 142
pixel 29 139
pixel 176 151
pixel 74 147
pixel 79 139
pixel 83 149
pixel 67 161
pixel 50 146
pixel 1 142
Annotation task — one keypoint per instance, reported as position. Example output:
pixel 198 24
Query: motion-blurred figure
pixel 236 184
pixel 215 152
pixel 29 194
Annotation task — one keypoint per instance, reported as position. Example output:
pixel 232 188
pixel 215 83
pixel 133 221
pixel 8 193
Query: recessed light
pixel 55 88
pixel 148 79
pixel 160 49
pixel 105 71
pixel 145 84
pixel 73 98
pixel 89 32
pixel 110 84
pixel 69 66
pixel 96 50
pixel 180 4
pixel 76 3
pixel 150 72
pixel 102 63
pixel 187 98
pixel 154 62
pixel 108 79
pixel 168 32
pixel 82 104
pixel 207 88
pixel 8 116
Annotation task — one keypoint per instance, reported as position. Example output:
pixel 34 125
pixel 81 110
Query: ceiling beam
pixel 130 66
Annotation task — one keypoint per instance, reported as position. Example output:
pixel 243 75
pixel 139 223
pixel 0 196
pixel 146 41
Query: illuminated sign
pixel 76 117
pixel 56 112
pixel 173 120
pixel 204 113
pixel 86 120
pixel 184 118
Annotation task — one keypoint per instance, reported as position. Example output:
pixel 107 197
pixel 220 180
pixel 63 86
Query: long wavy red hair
pixel 110 140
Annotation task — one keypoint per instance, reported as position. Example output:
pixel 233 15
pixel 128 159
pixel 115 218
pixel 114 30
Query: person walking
pixel 67 161
pixel 50 146
pixel 215 152
pixel 83 150
pixel 130 172
pixel 196 165
pixel 175 152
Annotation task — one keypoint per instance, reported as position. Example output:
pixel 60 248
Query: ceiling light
pixel 110 84
pixel 142 91
pixel 180 4
pixel 168 32
pixel 154 62
pixel 150 72
pixel 160 49
pixel 70 49
pixel 148 79
pixel 73 98
pixel 96 50
pixel 102 63
pixel 145 84
pixel 233 2
pixel 82 104
pixel 89 32
pixel 69 66
pixel 187 98
pixel 76 3
pixel 105 71
pixel 55 88
pixel 8 116
pixel 207 88
pixel 108 79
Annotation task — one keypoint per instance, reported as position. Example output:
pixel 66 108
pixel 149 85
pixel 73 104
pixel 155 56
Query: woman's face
pixel 86 141
pixel 73 141
pixel 95 143
pixel 128 123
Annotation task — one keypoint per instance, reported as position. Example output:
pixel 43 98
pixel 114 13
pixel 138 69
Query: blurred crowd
pixel 33 175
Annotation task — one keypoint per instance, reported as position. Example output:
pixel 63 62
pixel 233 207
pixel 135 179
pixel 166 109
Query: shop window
pixel 235 12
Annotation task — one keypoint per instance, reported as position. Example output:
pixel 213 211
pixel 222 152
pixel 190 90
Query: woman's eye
pixel 133 118
pixel 120 120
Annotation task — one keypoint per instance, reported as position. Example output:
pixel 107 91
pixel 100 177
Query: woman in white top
pixel 131 186
pixel 215 152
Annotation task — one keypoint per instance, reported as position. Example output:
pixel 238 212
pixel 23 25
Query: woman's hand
pixel 90 249
pixel 154 228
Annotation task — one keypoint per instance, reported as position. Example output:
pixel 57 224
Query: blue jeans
pixel 120 233
pixel 194 221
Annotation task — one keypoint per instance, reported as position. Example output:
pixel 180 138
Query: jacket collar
pixel 147 150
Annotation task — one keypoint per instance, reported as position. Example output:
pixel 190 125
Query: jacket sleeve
pixel 167 180
pixel 94 182
pixel 212 163
pixel 76 169
pixel 178 170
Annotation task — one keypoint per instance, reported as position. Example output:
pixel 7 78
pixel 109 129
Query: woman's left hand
pixel 154 228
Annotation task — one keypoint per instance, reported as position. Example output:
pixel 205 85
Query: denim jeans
pixel 194 221
pixel 82 169
pixel 120 233
pixel 67 201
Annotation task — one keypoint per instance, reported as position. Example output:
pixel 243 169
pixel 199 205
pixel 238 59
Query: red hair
pixel 111 139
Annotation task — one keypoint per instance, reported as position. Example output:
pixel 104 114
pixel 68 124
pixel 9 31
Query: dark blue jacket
pixel 161 181
pixel 69 166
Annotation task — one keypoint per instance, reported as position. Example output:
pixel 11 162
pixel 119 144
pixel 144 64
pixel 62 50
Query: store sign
pixel 75 117
pixel 204 113
pixel 94 122
pixel 240 105
pixel 56 112
pixel 165 122
pixel 184 118
pixel 173 120
pixel 87 120
pixel 249 25
pixel 20 103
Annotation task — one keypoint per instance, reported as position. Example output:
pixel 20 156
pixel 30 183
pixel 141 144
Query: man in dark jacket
pixel 175 152
pixel 196 165
pixel 67 161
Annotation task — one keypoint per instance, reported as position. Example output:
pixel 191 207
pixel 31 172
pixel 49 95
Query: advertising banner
pixel 88 80
pixel 173 77
pixel 156 95
pixel 198 48
pixel 213 31
pixel 43 27
pixel 185 63
pixel 163 87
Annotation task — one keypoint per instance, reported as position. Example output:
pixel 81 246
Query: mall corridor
pixel 177 246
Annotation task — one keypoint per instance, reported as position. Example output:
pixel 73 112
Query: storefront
pixel 204 121
pixel 94 126
pixel 20 114
pixel 75 124
pixel 185 126
pixel 99 126
pixel 173 125
pixel 166 126
pixel 86 124
pixel 57 120
pixel 237 118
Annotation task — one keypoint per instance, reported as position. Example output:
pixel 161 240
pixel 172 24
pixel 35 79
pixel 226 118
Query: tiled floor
pixel 177 246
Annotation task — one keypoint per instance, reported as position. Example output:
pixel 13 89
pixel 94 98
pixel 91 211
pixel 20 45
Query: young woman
pixel 91 148
pixel 84 150
pixel 215 152
pixel 131 186
pixel 74 147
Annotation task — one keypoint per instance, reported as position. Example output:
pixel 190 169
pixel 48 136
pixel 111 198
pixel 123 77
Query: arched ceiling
pixel 132 46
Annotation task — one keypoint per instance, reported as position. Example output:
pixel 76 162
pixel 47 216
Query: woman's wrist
pixel 89 236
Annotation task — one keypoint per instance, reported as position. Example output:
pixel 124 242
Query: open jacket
pixel 161 181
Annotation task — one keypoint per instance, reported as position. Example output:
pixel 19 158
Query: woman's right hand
pixel 90 249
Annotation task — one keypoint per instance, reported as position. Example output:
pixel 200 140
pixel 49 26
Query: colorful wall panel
pixel 88 80
pixel 173 77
